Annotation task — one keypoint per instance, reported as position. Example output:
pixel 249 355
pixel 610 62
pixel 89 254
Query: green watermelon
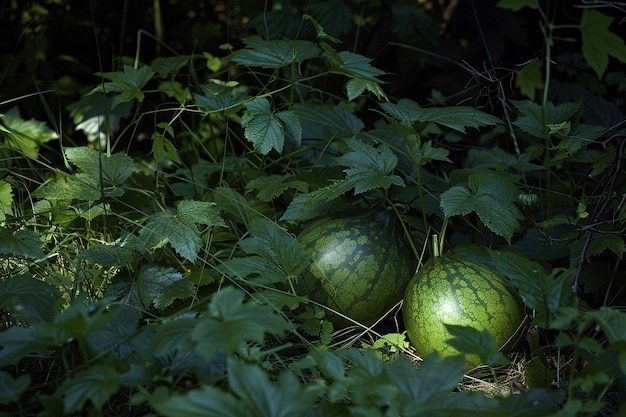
pixel 452 290
pixel 361 264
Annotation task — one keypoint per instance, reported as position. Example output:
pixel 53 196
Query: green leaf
pixel 272 186
pixel 530 120
pixel 95 384
pixel 540 292
pixel 491 197
pixel 94 115
pixel 128 83
pixel 356 86
pixel 457 118
pixel 160 286
pixel 262 127
pixel 231 323
pixel 516 5
pixel 470 341
pixel 19 342
pixel 180 229
pixel 28 298
pixel 292 122
pixel 414 27
pixel 206 401
pixel 355 66
pixel 24 135
pixel 220 97
pixel 12 388
pixel 599 42
pixel 6 200
pixel 167 66
pixel 529 78
pixel 324 121
pixel 287 397
pixel 596 246
pixel 202 212
pixel 113 170
pixel 274 53
pixel 611 321
pixel 434 378
pixel 369 168
pixel 21 243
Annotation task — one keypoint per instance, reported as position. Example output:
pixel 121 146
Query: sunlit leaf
pixel 24 135
pixel 6 200
pixel 471 341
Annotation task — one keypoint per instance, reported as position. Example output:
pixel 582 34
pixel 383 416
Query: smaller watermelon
pixel 361 264
pixel 452 290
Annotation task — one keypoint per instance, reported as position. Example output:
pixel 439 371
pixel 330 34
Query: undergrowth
pixel 148 213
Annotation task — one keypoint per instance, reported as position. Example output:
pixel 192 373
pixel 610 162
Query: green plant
pixel 147 228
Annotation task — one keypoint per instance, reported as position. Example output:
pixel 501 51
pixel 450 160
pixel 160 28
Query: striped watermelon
pixel 452 290
pixel 360 266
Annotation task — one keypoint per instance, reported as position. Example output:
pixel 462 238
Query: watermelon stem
pixel 436 251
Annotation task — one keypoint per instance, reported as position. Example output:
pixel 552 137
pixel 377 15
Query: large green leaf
pixel 262 127
pixel 599 42
pixel 206 401
pixel 110 171
pixel 6 200
pixel 128 83
pixel 274 53
pixel 471 341
pixel 95 384
pixel 29 299
pixel 335 16
pixel 491 197
pixel 368 168
pixel 358 67
pixel 271 399
pixel 24 135
pixel 12 388
pixel 408 112
pixel 231 323
pixel 21 243
pixel 159 287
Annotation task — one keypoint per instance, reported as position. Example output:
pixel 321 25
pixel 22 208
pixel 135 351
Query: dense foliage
pixel 158 158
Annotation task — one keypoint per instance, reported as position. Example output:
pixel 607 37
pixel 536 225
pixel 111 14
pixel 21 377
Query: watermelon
pixel 361 264
pixel 453 290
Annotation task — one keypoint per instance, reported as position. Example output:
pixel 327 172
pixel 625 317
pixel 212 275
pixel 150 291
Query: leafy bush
pixel 147 227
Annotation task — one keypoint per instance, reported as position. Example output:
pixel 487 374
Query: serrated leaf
pixel 457 118
pixel 471 341
pixel 491 197
pixel 166 66
pixel 161 286
pixel 271 399
pixel 182 234
pixel 28 298
pixel 356 86
pixel 202 212
pixel 220 97
pixel 352 65
pixel 21 243
pixel 24 135
pixel 434 378
pixel 262 127
pixel 231 322
pixel 369 167
pixel 274 53
pixel 95 384
pixel 599 42
pixel 326 121
pixel 540 292
pixel 272 186
pixel 128 83
pixel 531 119
pixel 596 246
pixel 113 170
